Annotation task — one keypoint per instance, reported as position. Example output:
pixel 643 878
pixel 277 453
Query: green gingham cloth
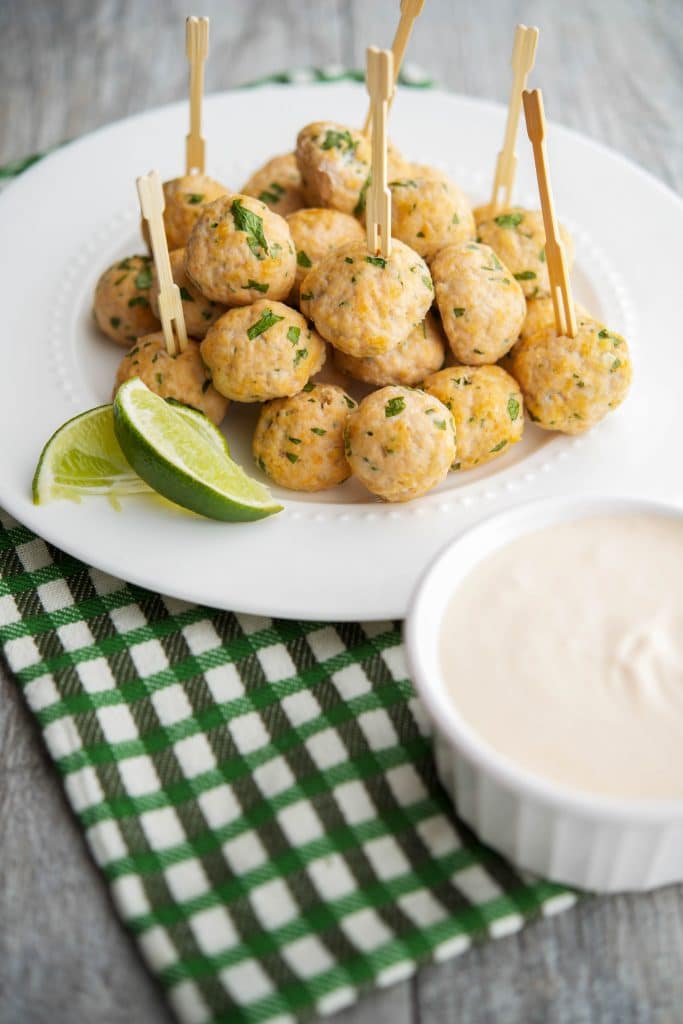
pixel 259 794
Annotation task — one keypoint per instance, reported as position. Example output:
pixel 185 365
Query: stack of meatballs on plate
pixel 276 278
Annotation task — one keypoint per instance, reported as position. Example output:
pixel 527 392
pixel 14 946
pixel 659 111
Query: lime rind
pixel 166 451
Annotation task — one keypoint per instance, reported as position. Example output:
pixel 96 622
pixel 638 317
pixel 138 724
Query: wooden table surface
pixel 611 69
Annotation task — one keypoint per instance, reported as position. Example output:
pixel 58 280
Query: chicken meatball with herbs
pixel 316 232
pixel 183 377
pixel 540 315
pixel 400 443
pixel 365 305
pixel 299 441
pixel 482 306
pixel 413 359
pixel 517 237
pixel 240 251
pixel 184 202
pixel 430 212
pixel 122 308
pixel 199 312
pixel 263 351
pixel 487 407
pixel 277 184
pixel 570 384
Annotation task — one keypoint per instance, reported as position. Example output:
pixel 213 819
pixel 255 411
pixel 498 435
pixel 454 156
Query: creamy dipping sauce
pixel 564 651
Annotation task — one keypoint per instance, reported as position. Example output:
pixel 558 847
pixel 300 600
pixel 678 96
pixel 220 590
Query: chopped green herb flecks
pixel 440 424
pixel 307 387
pixel 267 320
pixel 159 379
pixel 459 311
pixel 339 140
pixel 420 234
pixel 307 295
pixel 143 279
pixel 615 365
pixel 302 259
pixel 394 406
pixel 115 321
pixel 139 300
pixel 359 208
pixel 273 194
pixel 499 447
pixel 185 295
pixel 294 440
pixel 525 275
pixel 513 408
pixel 300 354
pixel 405 183
pixel 194 198
pixel 347 442
pixel 263 288
pixel 478 351
pixel 348 259
pixel 319 431
pixel 427 282
pixel 350 402
pixel 455 219
pixel 292 456
pixel 377 261
pixel 604 333
pixel 293 335
pixel 509 220
pixel 252 224
pixel 124 264
pixel 541 255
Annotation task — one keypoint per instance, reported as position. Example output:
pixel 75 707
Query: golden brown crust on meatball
pixel 183 377
pixel 365 305
pixel 429 213
pixel 517 236
pixel 482 307
pixel 277 184
pixel 408 363
pixel 185 199
pixel 317 231
pixel 240 251
pixel 122 307
pixel 299 441
pixel 487 407
pixel 199 311
pixel 262 351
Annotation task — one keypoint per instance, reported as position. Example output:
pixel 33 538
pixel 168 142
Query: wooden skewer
pixel 560 286
pixel 378 215
pixel 197 48
pixel 523 56
pixel 170 306
pixel 410 11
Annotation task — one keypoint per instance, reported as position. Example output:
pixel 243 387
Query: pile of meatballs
pixel 452 336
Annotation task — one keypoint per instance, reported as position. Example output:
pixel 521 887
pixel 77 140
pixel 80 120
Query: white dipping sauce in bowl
pixel 546 646
pixel 564 650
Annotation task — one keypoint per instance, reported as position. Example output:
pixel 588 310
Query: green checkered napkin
pixel 259 794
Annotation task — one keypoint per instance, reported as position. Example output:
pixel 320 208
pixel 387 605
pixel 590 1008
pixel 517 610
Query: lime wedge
pixel 171 455
pixel 83 457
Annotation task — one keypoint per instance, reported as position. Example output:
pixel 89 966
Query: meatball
pixel 299 441
pixel 185 200
pixel 570 384
pixel 482 306
pixel 315 233
pixel 413 359
pixel 183 377
pixel 400 443
pixel 199 312
pixel 365 305
pixel 122 307
pixel 240 250
pixel 334 162
pixel 430 212
pixel 487 407
pixel 540 315
pixel 517 237
pixel 262 351
pixel 277 184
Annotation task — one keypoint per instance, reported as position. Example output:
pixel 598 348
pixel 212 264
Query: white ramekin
pixel 592 842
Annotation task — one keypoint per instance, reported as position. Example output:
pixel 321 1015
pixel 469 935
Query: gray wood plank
pixel 67 66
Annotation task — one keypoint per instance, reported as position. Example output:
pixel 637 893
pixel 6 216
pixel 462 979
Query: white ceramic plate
pixel 342 554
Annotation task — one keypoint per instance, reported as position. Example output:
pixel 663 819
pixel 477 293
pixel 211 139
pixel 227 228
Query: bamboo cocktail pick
pixel 170 306
pixel 523 56
pixel 410 10
pixel 379 80
pixel 560 287
pixel 197 48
